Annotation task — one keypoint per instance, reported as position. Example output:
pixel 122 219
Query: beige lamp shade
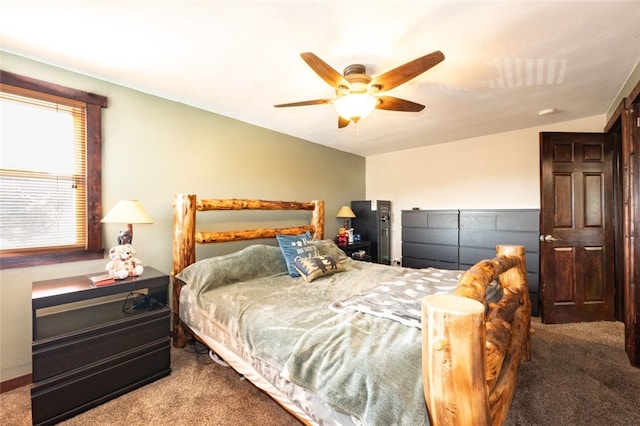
pixel 127 212
pixel 346 213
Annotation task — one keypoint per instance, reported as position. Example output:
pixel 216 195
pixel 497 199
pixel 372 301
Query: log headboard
pixel 185 235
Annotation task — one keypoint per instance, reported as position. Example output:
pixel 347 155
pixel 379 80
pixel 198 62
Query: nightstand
pixel 89 346
pixel 352 248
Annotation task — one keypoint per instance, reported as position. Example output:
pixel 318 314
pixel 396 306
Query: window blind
pixel 42 172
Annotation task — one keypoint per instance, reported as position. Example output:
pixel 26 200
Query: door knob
pixel 548 238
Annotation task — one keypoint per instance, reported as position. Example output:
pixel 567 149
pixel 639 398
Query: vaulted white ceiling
pixel 504 60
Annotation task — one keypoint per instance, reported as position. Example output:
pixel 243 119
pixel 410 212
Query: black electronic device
pixel 373 223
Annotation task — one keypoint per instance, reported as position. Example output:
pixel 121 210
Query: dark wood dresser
pixel 92 344
pixel 457 239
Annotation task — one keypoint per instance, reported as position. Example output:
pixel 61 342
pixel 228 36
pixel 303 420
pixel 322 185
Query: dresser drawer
pixel 92 344
pixel 68 394
pixel 75 350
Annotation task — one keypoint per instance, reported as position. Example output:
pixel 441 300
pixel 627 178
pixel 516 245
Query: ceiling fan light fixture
pixel 357 93
pixel 355 106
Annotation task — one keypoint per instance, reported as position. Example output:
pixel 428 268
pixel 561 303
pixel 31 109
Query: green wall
pixel 154 148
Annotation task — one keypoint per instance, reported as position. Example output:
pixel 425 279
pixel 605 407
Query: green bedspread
pixel 365 366
pixel 359 364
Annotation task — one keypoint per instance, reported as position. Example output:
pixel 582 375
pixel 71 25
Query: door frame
pixel 624 125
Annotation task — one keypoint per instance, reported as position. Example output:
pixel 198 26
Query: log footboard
pixel 464 384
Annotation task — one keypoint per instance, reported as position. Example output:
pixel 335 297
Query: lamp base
pixel 124 237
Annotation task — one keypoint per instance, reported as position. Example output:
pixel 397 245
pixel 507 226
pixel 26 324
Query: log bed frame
pixel 462 385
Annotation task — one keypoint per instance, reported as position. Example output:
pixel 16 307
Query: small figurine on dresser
pixel 343 237
pixel 123 262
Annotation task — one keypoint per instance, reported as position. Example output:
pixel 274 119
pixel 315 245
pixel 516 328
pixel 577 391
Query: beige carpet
pixel 198 392
pixel 579 375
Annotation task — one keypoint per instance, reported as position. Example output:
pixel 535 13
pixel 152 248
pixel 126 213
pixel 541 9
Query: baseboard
pixel 15 383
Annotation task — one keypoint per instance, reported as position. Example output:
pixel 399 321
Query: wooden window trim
pixel 94 249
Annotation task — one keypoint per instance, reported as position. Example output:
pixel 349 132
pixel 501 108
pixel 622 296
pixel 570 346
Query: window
pixel 50 173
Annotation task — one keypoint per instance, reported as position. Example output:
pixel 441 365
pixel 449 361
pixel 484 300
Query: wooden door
pixel 631 234
pixel 576 227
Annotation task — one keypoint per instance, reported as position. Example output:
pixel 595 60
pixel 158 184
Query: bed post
pixel 518 277
pixel 184 229
pixel 317 219
pixel 453 338
pixel 517 342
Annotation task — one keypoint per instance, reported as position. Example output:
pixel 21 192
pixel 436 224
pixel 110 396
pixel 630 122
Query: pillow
pixel 294 247
pixel 329 248
pixel 254 261
pixel 311 268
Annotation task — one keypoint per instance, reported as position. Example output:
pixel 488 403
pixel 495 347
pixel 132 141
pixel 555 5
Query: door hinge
pixel 637 121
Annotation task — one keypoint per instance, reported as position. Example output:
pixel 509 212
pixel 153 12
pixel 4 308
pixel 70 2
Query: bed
pixel 326 345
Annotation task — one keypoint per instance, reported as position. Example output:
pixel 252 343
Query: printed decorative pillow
pixel 311 268
pixel 329 248
pixel 295 247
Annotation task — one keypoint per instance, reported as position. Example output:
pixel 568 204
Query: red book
pixel 105 282
pixel 100 280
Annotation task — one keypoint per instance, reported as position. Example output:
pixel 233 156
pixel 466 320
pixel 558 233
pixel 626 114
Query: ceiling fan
pixel 357 93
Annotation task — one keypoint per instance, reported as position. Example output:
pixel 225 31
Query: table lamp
pixel 127 212
pixel 346 213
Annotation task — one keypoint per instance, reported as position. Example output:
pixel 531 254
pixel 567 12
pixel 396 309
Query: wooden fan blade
pixel 305 103
pixel 328 74
pixel 396 104
pixel 342 122
pixel 406 72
